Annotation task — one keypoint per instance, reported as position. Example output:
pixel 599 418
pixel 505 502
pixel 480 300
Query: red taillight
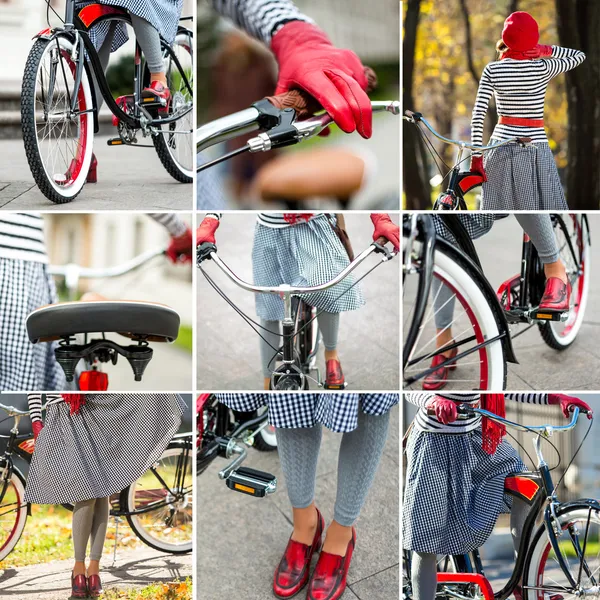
pixel 93 381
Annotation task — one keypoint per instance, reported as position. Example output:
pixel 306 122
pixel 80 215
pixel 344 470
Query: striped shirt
pixel 429 423
pixel 35 404
pixel 22 237
pixel 519 87
pixel 277 220
pixel 261 19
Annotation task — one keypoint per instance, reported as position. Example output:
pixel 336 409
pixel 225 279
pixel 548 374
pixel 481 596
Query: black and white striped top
pixel 172 222
pixel 35 404
pixel 261 19
pixel 274 220
pixel 429 423
pixel 22 237
pixel 520 90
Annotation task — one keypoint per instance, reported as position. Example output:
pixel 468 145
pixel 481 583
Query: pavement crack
pixel 394 566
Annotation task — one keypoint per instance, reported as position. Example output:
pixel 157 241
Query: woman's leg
pixel 98 534
pixel 359 456
pixel 329 325
pixel 298 453
pixel 423 575
pixel 149 41
pixel 104 56
pixel 272 335
pixel 83 518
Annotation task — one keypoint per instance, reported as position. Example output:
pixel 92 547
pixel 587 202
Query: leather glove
pixel 180 248
pixel 334 77
pixel 539 51
pixel 477 166
pixel 567 401
pixel 445 410
pixel 385 227
pixel 206 231
pixel 36 427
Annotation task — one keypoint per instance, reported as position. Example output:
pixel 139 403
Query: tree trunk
pixel 414 160
pixel 578 23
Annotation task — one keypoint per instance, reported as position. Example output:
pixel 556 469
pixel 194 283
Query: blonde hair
pixel 501 47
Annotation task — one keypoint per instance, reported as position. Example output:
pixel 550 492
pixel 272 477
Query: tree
pixel 578 23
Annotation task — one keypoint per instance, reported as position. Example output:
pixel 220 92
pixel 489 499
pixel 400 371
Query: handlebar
pixel 415 117
pixel 14 412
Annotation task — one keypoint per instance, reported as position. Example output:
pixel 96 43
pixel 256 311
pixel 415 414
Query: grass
pixel 592 548
pixel 185 338
pixel 176 590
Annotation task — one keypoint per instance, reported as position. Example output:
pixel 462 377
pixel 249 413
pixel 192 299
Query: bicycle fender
pixel 579 503
pixel 44 34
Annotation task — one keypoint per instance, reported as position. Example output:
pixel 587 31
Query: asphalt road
pixel 228 350
pixel 244 537
pixel 128 179
pixel 540 367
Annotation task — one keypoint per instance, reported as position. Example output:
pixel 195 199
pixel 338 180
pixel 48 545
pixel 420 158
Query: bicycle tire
pixel 160 143
pixel 540 548
pixel 128 500
pixel 265 441
pixel 47 184
pixel 15 487
pixel 452 267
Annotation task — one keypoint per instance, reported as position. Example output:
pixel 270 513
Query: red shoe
pixel 328 581
pixel 292 572
pixel 92 176
pixel 557 296
pixel 94 586
pixel 79 587
pixel 439 378
pixel 334 378
pixel 157 91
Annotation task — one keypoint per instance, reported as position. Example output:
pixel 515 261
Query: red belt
pixel 521 121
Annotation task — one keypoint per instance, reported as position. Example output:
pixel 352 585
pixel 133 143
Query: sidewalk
pixel 134 569
pixel 240 539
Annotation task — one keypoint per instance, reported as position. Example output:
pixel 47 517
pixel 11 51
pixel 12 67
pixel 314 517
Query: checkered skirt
pixel 25 286
pixel 108 445
pixel 454 491
pixel 522 178
pixel 337 411
pixel 305 254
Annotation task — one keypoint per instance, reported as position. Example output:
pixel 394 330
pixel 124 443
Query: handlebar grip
pixel 525 140
pixel 304 104
pixel 381 241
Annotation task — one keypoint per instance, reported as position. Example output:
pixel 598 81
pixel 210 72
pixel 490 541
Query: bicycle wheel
pixel 164 494
pixel 58 140
pixel 475 326
pixel 13 512
pixel 174 144
pixel 577 262
pixel 266 440
pixel 543 577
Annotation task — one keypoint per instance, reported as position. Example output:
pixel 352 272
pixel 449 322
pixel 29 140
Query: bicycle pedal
pixel 252 482
pixel 549 316
pixel 341 386
pixel 115 142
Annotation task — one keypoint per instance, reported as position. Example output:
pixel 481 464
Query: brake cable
pixel 51 8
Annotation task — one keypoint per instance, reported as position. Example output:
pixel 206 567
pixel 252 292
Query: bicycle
pixel 557 558
pixel 225 433
pixel 460 182
pixel 59 112
pixel 301 336
pixel 142 322
pixel 483 315
pixel 158 506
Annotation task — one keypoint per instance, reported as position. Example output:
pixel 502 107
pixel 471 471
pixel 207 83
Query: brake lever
pixel 382 249
pixel 203 252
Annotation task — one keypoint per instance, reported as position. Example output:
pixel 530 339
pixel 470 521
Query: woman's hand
pixel 477 166
pixel 334 77
pixel 566 402
pixel 206 231
pixel 385 227
pixel 180 248
pixel 36 427
pixel 445 410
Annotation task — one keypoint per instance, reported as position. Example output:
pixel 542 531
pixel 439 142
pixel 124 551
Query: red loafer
pixel 438 379
pixel 328 581
pixel 156 92
pixel 79 587
pixel 334 378
pixel 292 572
pixel 557 296
pixel 94 586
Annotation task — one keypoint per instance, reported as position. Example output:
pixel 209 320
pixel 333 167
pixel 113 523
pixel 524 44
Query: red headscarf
pixel 75 402
pixel 492 432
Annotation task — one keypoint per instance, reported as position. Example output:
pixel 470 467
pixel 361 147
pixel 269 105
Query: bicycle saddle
pixel 331 172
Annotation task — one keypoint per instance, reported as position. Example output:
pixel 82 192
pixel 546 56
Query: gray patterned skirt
pixel 454 491
pixel 305 254
pixel 336 411
pixel 111 443
pixel 522 179
pixel 24 286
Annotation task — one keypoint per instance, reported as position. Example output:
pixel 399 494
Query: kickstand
pixel 114 561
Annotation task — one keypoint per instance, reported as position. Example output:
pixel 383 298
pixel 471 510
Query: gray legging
pixel 424 565
pixel 537 226
pixel 359 456
pixel 90 521
pixel 328 325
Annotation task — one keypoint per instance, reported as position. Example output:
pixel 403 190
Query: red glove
pixel 37 426
pixel 445 410
pixel 385 227
pixel 334 77
pixel 206 231
pixel 180 248
pixel 567 401
pixel 538 51
pixel 477 166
